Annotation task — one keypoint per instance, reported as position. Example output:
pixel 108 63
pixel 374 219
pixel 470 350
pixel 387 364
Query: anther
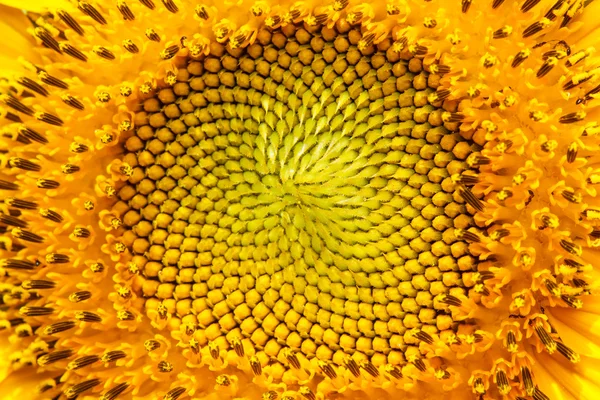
pixel 22 204
pixel 152 35
pixel 70 22
pixel 236 343
pixel 148 3
pixel 130 46
pixel 370 369
pixel 151 345
pixel 546 67
pixel 169 52
pixel 80 296
pixel 35 311
pixel 87 316
pixel 47 184
pixel 545 338
pixel 164 366
pixel 90 11
pixel 534 28
pixel 112 356
pixel 82 362
pixel 51 215
pixel 125 11
pixel 528 5
pixel 27 236
pixel 56 258
pixel 113 393
pixel 103 52
pixel 202 12
pixel 21 163
pixel 292 359
pixel 451 300
pixel 470 198
pixel 424 337
pixel 572 117
pixel 6 185
pixel 72 101
pixel 124 315
pixel 78 148
pixel 81 232
pixel 24 265
pixel 16 104
pixel 174 394
pixel 170 5
pixel 53 357
pixel 75 390
pixel 32 85
pixel 48 118
pixel 571 196
pixel 307 393
pixel 255 365
pixel 67 48
pixel 567 352
pixel 47 39
pixel 11 220
pixel 466 4
pixel 59 327
pixel 69 168
pixel 270 395
pixel 51 80
pixel 572 301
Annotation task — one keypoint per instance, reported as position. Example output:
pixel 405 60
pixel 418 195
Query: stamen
pixel 528 5
pixel 22 204
pixel 370 368
pixel 307 393
pixel 567 352
pixel 125 10
pixel 48 118
pixel 27 236
pixel 572 117
pixel 67 48
pixel 169 52
pixel 55 258
pixel 80 296
pixel 18 264
pixel 32 85
pixel 104 53
pixel 59 327
pixel 51 80
pixel 34 311
pixel 527 380
pixel 21 163
pixel 82 362
pixel 170 5
pixel 81 387
pixel 165 366
pixel 70 22
pixel 148 3
pixel 539 395
pixel 113 393
pixel 152 35
pixel 47 39
pixel 112 356
pixel 87 316
pixel 31 134
pixel 6 185
pixel 470 198
pixel 151 345
pixel 466 4
pixel 174 394
pixel 255 365
pixel 69 168
pixel 53 357
pixel 90 11
pixel 534 28
pixel 47 184
pixel 130 46
pixel 51 215
pixel 16 104
pixel 12 221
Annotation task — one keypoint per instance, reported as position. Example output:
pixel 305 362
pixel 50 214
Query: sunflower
pixel 308 200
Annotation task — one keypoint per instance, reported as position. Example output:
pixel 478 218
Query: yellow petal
pixel 561 380
pixel 37 5
pixel 15 39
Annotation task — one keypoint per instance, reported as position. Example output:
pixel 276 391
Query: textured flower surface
pixel 308 200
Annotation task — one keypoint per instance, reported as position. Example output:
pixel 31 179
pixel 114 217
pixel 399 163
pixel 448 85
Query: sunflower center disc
pixel 298 193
